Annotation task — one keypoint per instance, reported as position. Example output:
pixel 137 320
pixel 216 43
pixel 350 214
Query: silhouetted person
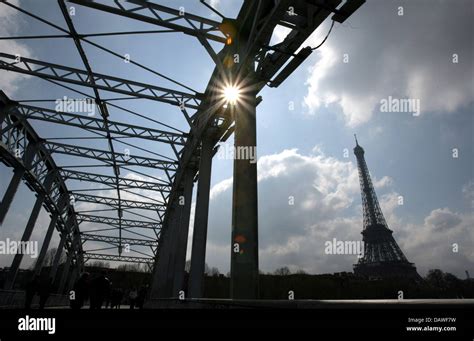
pixel 133 297
pixel 108 296
pixel 116 296
pixel 141 297
pixel 81 291
pixel 31 289
pixel 100 289
pixel 44 291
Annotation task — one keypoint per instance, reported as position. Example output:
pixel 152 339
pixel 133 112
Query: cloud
pixel 10 24
pixel 468 192
pixel 407 56
pixel 326 197
pixel 304 200
pixel 442 219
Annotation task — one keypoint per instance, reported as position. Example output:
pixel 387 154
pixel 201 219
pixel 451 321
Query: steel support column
pixel 9 283
pixel 198 253
pixel 15 181
pixel 65 274
pixel 57 257
pixel 72 278
pixel 49 233
pixel 45 246
pixel 10 193
pixel 182 235
pixel 244 247
pixel 162 262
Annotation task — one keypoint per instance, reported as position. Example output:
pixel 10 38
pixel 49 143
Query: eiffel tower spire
pixel 382 256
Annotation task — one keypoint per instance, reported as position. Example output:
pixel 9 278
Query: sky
pixel 308 187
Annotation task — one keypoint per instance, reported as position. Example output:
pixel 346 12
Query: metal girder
pixel 116 241
pixel 307 17
pixel 127 259
pixel 106 156
pixel 103 82
pixel 90 123
pixel 176 20
pixel 16 137
pixel 110 181
pixel 125 223
pixel 117 202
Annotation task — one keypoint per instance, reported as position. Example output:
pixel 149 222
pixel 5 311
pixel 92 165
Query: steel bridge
pixel 142 196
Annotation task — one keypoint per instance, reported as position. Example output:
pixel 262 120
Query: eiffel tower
pixel 382 256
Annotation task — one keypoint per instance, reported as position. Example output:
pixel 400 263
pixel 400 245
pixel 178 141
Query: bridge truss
pixel 118 180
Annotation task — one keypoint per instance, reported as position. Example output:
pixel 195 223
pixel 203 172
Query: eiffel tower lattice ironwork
pixel 382 256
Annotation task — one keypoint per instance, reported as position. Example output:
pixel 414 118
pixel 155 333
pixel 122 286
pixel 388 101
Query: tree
pixel 283 271
pixel 99 264
pixel 49 258
pixel 436 278
pixel 187 268
pixel 214 272
pixel 132 267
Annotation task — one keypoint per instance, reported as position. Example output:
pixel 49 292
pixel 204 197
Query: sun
pixel 231 94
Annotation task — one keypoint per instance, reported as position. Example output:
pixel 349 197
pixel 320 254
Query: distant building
pixel 382 257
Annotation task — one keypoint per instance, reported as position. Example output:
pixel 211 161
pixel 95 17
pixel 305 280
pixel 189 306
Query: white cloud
pixel 10 24
pixel 404 57
pixel 326 206
pixel 468 192
pixel 442 219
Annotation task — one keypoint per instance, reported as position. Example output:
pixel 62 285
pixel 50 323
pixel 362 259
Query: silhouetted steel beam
pixel 116 258
pixel 91 123
pixel 110 181
pixel 126 223
pixel 153 13
pixel 106 156
pixel 71 75
pixel 113 202
pixel 198 254
pixel 18 135
pixel 308 17
pixel 115 240
pixel 15 266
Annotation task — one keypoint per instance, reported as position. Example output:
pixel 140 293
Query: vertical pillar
pixel 45 246
pixel 10 193
pixel 171 252
pixel 65 273
pixel 198 253
pixel 244 246
pixel 57 257
pixel 15 181
pixel 182 234
pixel 160 272
pixel 9 283
pixel 49 233
pixel 72 278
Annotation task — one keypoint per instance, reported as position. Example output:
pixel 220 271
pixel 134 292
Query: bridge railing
pixel 15 299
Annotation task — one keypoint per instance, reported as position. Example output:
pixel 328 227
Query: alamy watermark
pixel 408 105
pixel 71 105
pixel 344 247
pixel 229 152
pixel 28 323
pixel 13 247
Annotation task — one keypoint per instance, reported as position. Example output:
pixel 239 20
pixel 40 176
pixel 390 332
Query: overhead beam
pixel 116 258
pixel 179 21
pixel 113 202
pixel 125 223
pixel 115 240
pixel 91 123
pixel 106 156
pixel 110 181
pixel 80 77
